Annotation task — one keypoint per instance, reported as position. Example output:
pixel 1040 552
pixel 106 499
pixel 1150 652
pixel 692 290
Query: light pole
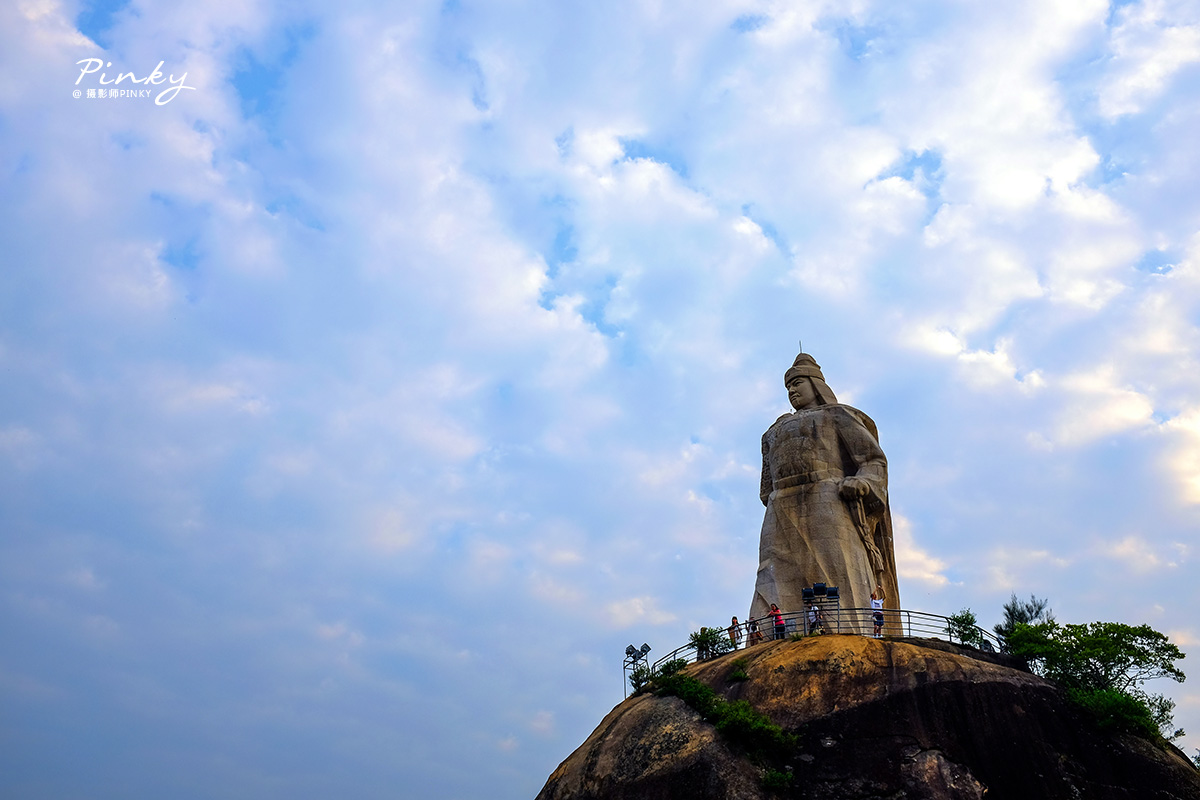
pixel 633 655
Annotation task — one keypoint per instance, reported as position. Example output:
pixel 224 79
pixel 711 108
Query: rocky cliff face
pixel 873 719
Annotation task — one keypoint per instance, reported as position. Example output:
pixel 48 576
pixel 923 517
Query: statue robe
pixel 809 533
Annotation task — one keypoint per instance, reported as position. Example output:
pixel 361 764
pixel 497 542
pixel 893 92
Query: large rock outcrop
pixel 873 719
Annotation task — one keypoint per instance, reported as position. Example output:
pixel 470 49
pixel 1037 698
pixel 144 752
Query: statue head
pixel 806 385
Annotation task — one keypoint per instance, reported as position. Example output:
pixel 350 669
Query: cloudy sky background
pixel 361 403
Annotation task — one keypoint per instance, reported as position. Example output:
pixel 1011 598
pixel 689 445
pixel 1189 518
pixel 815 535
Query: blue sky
pixel 363 401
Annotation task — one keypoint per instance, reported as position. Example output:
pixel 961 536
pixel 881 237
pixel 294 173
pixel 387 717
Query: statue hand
pixel 853 488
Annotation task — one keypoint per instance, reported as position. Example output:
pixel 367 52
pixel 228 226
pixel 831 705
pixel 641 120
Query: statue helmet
pixel 807 366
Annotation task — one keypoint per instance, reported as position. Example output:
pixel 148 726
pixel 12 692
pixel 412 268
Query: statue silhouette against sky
pixel 824 483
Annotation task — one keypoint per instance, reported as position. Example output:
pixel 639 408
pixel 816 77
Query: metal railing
pixel 833 619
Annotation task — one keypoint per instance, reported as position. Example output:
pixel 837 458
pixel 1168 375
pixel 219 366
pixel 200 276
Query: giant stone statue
pixel 824 483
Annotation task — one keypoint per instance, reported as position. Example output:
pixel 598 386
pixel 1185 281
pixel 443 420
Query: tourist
pixel 815 623
pixel 877 610
pixel 777 619
pixel 754 635
pixel 735 633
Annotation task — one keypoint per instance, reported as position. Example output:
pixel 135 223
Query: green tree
pixel 1162 714
pixel 710 642
pixel 1022 612
pixel 639 676
pixel 671 667
pixel 1103 666
pixel 964 627
pixel 1098 655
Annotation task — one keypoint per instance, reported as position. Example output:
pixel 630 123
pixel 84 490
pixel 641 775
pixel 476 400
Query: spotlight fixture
pixel 819 589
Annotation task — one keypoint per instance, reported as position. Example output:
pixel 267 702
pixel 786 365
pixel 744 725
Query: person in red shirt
pixel 777 618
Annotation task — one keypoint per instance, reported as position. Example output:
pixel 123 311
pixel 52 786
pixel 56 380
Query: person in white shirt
pixel 815 622
pixel 877 610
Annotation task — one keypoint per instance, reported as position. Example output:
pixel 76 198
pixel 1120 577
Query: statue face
pixel 801 393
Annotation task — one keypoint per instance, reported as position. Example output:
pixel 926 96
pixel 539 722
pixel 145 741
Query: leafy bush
pixel 755 732
pixel 1100 661
pixel 777 779
pixel 737 721
pixel 639 676
pixel 710 643
pixel 672 666
pixel 1114 710
pixel 739 670
pixel 962 626
pixel 690 690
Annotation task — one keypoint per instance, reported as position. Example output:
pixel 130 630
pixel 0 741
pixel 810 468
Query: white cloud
pixel 1187 637
pixel 1007 566
pixel 980 369
pixel 1149 46
pixel 1134 553
pixel 543 722
pixel 630 611
pixel 556 593
pixel 985 369
pixel 392 531
pixel 489 561
pixel 1099 406
pixel 1077 276
pixel 1184 460
pixel 668 469
pixel 182 395
pixel 341 633
pixel 101 628
pixel 912 562
pixel 84 578
pixel 22 447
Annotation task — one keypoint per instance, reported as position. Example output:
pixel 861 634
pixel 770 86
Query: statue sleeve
pixel 869 463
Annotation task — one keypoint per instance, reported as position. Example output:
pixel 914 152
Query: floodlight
pixel 645 648
pixel 806 594
pixel 631 651
pixel 831 592
pixel 819 589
